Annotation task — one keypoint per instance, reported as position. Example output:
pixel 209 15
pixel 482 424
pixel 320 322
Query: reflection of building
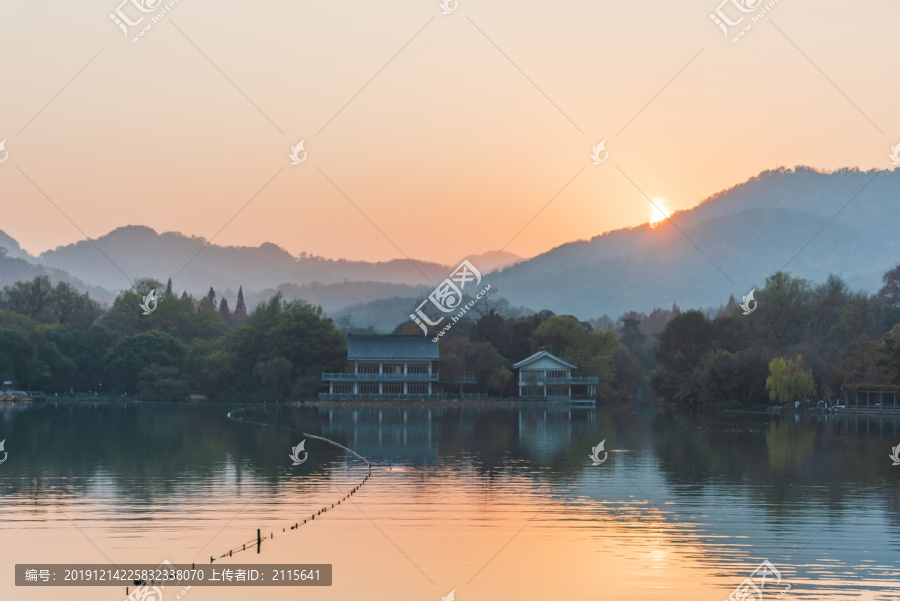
pixel 385 368
pixel 546 376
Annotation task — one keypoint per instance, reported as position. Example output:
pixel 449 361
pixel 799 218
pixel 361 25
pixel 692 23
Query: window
pixel 368 368
pixel 417 368
pixel 417 388
pixel 557 374
pixel 368 389
pixel 530 391
pixel 343 389
pixel 392 388
pixel 393 368
pixel 558 391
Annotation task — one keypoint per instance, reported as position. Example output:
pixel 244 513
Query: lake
pixel 494 504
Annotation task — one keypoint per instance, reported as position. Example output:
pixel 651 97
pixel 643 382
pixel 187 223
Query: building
pixel 387 368
pixel 546 376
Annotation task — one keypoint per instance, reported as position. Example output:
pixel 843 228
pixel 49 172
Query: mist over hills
pixel 746 233
pixel 814 223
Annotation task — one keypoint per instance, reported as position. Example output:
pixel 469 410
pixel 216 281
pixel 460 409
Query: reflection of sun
pixel 658 213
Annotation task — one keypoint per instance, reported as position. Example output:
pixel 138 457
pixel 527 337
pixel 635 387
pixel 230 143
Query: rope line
pixel 259 538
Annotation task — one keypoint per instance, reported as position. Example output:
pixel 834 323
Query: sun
pixel 658 213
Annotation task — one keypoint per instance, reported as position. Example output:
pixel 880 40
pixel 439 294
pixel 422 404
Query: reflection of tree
pixel 790 446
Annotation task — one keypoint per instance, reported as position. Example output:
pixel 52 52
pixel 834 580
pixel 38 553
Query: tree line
pixel 804 340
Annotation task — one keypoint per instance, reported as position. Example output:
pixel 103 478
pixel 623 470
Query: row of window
pixel 552 391
pixel 385 389
pixel 392 368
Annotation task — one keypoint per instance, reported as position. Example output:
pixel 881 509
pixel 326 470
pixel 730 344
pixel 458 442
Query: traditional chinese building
pixel 546 376
pixel 386 368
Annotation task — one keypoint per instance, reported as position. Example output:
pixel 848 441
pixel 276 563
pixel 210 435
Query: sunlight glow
pixel 659 214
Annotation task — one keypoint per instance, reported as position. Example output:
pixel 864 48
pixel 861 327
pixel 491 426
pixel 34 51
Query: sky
pixel 428 135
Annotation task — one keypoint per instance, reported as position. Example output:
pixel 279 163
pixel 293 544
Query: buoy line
pixel 259 538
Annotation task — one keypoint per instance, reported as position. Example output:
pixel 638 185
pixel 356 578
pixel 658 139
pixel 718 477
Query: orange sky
pixel 451 147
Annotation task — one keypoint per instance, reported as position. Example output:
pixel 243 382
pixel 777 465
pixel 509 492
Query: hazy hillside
pixel 14 270
pixel 749 232
pixel 141 252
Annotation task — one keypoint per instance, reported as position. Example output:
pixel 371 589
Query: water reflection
pixel 698 500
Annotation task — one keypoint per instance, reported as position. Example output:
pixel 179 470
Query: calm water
pixel 496 504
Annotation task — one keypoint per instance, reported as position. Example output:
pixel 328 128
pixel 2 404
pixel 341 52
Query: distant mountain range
pixel 814 223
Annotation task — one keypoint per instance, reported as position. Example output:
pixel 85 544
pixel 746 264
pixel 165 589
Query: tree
pixel 784 311
pixel 275 374
pixel 890 292
pixel 685 341
pixel 30 298
pixel 224 311
pixel 169 287
pixel 491 370
pixel 888 356
pixel 209 301
pixel 132 354
pixel 857 364
pixel 788 381
pixel 240 309
pixel 157 383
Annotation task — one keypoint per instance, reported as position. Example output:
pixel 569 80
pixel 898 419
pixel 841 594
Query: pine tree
pixel 240 309
pixel 210 301
pixel 224 311
pixel 169 288
pixel 184 295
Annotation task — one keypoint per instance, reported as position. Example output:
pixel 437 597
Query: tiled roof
pixel 394 348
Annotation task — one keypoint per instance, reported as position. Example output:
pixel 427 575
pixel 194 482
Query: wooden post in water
pixel 258 541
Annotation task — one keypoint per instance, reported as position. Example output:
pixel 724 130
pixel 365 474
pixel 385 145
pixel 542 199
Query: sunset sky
pixel 451 147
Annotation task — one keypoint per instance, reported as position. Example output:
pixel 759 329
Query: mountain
pixel 195 265
pixel 15 269
pixel 843 222
pixel 492 260
pixel 810 222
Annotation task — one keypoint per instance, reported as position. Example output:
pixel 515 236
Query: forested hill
pixel 745 233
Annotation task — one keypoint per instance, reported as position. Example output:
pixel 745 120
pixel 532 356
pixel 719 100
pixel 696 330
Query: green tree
pixel 888 356
pixel 890 291
pixel 157 383
pixel 240 309
pixel 224 311
pixel 132 354
pixel 788 381
pixel 784 311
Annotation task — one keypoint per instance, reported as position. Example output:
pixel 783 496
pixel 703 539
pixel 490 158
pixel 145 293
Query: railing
pixel 572 380
pixel 351 376
pixel 349 396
